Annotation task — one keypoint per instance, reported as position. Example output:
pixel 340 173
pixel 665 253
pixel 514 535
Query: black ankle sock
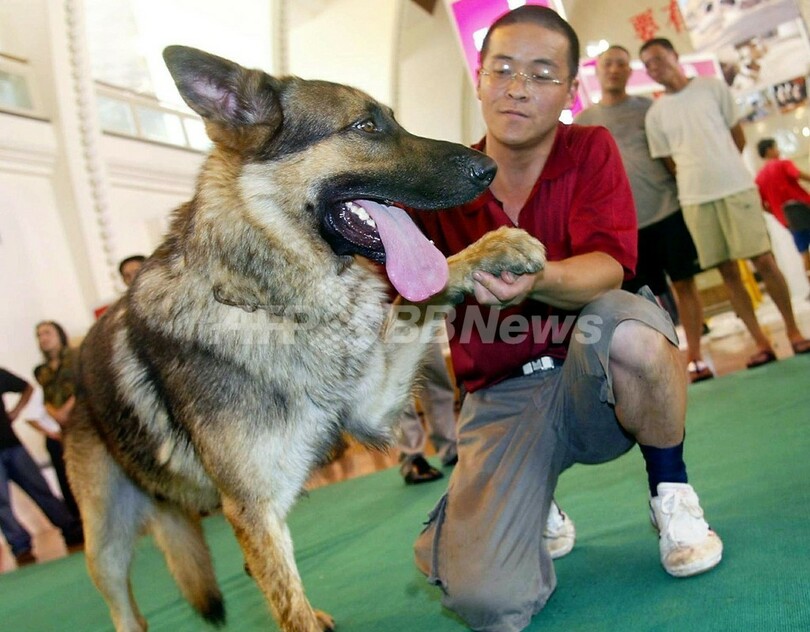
pixel 664 465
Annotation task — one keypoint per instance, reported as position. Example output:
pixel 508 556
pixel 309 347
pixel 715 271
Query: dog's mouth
pixel 386 234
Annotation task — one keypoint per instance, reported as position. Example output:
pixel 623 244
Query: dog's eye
pixel 368 126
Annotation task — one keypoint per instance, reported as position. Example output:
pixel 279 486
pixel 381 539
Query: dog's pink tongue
pixel 415 266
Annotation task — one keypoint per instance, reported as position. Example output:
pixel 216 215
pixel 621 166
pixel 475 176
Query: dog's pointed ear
pixel 220 90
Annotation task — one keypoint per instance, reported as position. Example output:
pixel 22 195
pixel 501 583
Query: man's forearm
pixel 62 413
pixel 575 282
pixel 21 403
pixel 738 135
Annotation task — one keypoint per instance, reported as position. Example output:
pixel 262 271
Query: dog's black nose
pixel 483 168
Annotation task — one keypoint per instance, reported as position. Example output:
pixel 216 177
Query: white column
pixel 80 171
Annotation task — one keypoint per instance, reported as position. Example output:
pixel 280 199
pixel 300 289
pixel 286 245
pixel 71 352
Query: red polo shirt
pixel 581 203
pixel 778 182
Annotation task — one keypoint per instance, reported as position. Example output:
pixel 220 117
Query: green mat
pixel 748 452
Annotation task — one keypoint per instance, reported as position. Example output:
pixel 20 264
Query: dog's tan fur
pixel 248 343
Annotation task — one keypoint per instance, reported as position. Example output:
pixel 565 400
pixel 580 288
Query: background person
pixel 665 246
pixel 17 465
pixel 56 378
pixel 695 129
pixel 782 193
pixel 129 268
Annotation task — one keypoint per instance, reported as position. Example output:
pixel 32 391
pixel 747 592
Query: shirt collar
pixel 560 160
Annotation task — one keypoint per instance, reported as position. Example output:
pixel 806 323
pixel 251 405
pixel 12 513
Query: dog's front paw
pixel 506 249
pixel 511 249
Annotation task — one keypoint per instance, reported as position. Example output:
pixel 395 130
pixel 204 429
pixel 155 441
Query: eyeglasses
pixel 501 75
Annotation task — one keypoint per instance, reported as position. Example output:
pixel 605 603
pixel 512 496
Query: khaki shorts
pixel 730 228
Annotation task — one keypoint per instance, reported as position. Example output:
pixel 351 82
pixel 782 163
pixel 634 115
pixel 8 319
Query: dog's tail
pixel 180 537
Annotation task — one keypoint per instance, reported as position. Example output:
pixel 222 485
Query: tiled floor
pixel 726 348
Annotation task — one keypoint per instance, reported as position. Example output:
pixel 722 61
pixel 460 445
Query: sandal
pixel 699 371
pixel 761 358
pixel 803 346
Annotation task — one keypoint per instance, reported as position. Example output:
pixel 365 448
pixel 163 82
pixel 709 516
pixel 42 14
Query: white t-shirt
pixel 692 127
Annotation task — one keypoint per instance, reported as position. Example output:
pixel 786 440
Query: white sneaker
pixel 688 546
pixel 560 534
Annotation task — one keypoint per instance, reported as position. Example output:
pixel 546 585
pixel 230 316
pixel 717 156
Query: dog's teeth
pixel 361 214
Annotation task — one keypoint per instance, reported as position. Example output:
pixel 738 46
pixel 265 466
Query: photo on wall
pixel 767 58
pixel 758 105
pixel 759 43
pixel 789 95
pixel 713 24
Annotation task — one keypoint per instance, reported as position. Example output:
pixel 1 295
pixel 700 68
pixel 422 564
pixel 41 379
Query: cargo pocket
pixel 427 548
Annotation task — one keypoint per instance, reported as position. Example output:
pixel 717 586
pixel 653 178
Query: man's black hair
pixel 616 47
pixel 541 16
pixel 130 259
pixel 764 145
pixel 657 41
pixel 60 331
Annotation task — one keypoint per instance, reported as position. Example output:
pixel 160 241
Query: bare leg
pixel 650 391
pixel 741 303
pixel 649 384
pixel 778 289
pixel 690 309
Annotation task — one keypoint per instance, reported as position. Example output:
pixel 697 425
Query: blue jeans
pixel 18 466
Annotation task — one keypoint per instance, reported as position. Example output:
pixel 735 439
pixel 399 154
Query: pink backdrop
pixel 476 16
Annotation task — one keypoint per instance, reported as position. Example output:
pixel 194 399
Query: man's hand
pixel 62 413
pixel 503 291
pixel 568 284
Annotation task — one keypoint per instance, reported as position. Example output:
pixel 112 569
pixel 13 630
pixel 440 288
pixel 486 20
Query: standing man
pixel 17 465
pixel 694 127
pixel 531 351
pixel 665 246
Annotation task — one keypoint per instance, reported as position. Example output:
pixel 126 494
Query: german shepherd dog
pixel 258 332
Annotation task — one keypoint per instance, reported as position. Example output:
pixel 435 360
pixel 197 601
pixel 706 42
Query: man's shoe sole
pixel 696 568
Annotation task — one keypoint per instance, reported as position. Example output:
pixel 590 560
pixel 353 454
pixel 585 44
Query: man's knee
pixel 765 263
pixel 639 348
pixel 611 302
pixel 730 271
pixel 638 328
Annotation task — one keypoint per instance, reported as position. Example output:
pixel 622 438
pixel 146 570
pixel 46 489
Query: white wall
pixel 432 78
pixel 241 30
pixel 147 182
pixel 39 280
pixel 346 41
